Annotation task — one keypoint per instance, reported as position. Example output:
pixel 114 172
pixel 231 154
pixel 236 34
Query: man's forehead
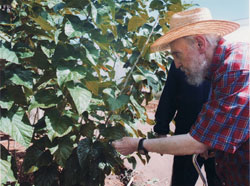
pixel 177 45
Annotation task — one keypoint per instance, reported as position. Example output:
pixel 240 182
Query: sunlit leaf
pixel 57 126
pixel 8 167
pixel 19 76
pixel 151 78
pixel 93 12
pixel 74 27
pixel 44 99
pixel 141 110
pixel 80 96
pixel 13 124
pixel 8 55
pixel 93 86
pixel 67 72
pixel 135 22
pixel 6 172
pixel 116 103
pixel 5 100
pixel 43 23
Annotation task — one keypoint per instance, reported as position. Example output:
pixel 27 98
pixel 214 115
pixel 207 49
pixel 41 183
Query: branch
pixel 137 60
pixel 133 67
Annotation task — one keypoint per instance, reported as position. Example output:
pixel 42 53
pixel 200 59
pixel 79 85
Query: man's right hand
pixel 126 145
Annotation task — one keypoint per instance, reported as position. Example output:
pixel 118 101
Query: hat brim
pixel 218 27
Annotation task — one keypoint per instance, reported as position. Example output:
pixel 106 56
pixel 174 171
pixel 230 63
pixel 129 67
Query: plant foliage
pixel 63 96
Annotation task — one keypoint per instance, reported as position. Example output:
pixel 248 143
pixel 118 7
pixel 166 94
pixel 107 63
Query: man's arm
pixel 176 145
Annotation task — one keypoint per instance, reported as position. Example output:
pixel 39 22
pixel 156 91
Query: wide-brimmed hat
pixel 192 22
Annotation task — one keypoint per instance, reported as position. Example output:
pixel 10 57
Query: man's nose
pixel 177 64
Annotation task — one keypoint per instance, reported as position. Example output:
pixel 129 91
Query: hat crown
pixel 190 16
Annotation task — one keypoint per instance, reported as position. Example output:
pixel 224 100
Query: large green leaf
pixel 19 76
pixel 48 48
pixel 112 4
pixel 44 99
pixel 119 102
pixel 16 94
pixel 74 27
pixel 57 125
pixel 138 77
pixel 13 124
pixel 73 173
pixel 23 50
pixel 69 72
pixel 80 96
pixel 152 79
pixel 8 55
pixel 140 110
pixel 30 161
pixel 88 129
pixel 43 23
pixel 5 100
pixel 66 52
pixel 62 151
pixel 93 12
pixel 7 174
pixel 114 132
pixel 40 59
pixel 7 166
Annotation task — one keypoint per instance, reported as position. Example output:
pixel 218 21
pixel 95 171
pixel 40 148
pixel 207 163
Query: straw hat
pixel 192 22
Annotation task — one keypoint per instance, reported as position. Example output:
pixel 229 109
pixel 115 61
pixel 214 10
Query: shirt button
pixel 216 164
pixel 223 183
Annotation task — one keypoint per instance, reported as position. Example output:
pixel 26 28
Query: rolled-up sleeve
pixel 223 123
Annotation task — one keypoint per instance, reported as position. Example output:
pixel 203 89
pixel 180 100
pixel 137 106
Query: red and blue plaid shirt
pixel 223 123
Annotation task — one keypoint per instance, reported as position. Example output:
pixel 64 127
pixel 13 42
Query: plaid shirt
pixel 223 123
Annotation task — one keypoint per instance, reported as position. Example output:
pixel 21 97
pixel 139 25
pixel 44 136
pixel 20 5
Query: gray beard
pixel 198 73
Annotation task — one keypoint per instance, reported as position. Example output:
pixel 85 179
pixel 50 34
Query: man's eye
pixel 176 55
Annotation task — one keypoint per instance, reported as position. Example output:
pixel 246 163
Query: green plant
pixel 60 63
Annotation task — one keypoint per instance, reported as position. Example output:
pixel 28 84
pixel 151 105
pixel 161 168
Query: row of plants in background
pixel 62 94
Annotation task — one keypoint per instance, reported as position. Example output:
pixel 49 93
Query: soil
pixel 157 172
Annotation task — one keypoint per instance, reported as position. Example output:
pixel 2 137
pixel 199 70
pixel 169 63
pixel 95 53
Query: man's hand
pixel 207 154
pixel 126 145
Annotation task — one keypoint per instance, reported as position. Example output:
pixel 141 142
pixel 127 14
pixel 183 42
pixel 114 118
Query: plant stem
pixel 137 60
pixel 133 67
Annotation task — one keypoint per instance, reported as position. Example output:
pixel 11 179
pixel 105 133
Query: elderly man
pixel 196 43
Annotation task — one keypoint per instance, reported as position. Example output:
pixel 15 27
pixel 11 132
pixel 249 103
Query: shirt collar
pixel 216 61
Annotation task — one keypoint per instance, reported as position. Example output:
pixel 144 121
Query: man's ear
pixel 201 43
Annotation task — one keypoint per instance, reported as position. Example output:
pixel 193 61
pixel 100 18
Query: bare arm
pixel 175 145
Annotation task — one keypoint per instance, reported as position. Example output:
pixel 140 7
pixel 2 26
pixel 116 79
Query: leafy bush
pixel 62 96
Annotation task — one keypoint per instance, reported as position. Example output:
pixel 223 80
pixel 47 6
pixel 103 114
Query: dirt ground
pixel 155 173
